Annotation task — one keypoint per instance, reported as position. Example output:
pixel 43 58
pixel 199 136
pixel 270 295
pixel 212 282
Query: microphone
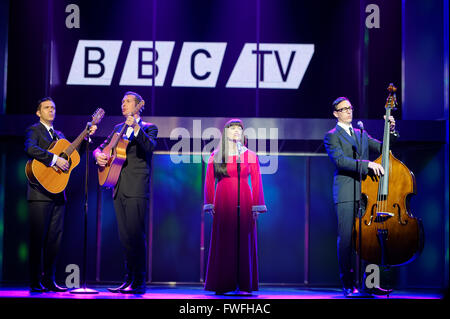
pixel 360 125
pixel 239 147
pixel 88 137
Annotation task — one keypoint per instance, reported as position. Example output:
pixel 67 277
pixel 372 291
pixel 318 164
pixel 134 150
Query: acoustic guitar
pixel 116 150
pixel 53 179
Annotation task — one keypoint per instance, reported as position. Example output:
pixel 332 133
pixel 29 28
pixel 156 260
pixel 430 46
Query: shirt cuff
pixel 259 208
pixel 364 166
pixel 55 157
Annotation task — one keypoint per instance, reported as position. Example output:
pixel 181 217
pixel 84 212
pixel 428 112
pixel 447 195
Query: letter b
pixel 94 62
pixel 98 61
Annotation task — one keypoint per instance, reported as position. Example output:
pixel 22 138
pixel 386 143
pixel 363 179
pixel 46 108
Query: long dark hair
pixel 221 156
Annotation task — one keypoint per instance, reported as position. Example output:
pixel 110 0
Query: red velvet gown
pixel 222 267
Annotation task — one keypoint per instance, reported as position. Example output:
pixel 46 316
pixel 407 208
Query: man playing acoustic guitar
pixel 132 191
pixel 46 210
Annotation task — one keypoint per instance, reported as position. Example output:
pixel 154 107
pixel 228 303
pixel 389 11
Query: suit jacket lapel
pixel 348 138
pixel 361 142
pixel 358 138
pixel 56 134
pixel 46 134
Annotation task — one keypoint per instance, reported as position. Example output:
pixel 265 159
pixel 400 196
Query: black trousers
pixel 346 213
pixel 46 229
pixel 132 217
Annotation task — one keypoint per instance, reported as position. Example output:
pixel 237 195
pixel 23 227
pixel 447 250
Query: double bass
pixel 390 235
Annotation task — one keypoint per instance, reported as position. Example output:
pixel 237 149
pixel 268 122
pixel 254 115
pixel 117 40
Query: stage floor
pixel 197 292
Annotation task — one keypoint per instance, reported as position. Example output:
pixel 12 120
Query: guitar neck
pixel 122 130
pixel 116 138
pixel 77 142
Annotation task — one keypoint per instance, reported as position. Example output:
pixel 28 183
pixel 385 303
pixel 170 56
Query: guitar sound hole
pixel 67 158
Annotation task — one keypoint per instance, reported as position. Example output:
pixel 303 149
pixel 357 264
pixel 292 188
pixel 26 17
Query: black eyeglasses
pixel 345 109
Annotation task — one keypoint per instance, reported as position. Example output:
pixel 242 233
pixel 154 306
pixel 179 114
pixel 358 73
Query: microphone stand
pixel 361 293
pixel 360 280
pixel 238 216
pixel 237 292
pixel 83 289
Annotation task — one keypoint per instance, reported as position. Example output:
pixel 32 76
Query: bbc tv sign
pixel 276 65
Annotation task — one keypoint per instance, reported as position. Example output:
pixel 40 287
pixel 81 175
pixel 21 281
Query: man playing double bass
pixel 349 155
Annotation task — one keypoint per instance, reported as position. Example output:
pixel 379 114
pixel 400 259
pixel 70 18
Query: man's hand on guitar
pixel 92 129
pixel 62 164
pixel 131 121
pixel 101 158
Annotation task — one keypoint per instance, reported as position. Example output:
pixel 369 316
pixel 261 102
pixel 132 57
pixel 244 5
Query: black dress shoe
pixel 356 293
pixel 37 287
pixel 52 286
pixel 134 288
pixel 122 286
pixel 378 291
pixel 347 291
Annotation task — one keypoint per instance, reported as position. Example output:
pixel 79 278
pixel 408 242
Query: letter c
pixel 193 56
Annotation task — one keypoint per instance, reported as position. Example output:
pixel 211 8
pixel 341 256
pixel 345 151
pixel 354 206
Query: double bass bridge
pixel 377 216
pixel 383 214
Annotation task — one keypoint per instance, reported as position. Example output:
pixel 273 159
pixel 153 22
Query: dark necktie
pixel 52 134
pixel 352 134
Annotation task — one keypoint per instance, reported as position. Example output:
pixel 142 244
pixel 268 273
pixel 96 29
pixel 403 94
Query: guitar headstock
pixel 97 116
pixel 391 101
pixel 138 108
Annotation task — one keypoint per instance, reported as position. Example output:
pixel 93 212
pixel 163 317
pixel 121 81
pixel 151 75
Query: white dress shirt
pixel 130 130
pixel 346 127
pixel 55 157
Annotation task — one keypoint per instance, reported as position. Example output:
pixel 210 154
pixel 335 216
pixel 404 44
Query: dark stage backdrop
pixel 296 238
pixel 199 58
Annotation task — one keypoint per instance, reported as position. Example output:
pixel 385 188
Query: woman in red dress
pixel 221 202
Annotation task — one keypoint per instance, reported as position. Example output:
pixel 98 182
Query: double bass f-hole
pixel 399 215
pixel 373 212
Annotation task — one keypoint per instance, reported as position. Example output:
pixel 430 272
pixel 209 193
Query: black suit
pixel 131 197
pixel 349 157
pixel 46 210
